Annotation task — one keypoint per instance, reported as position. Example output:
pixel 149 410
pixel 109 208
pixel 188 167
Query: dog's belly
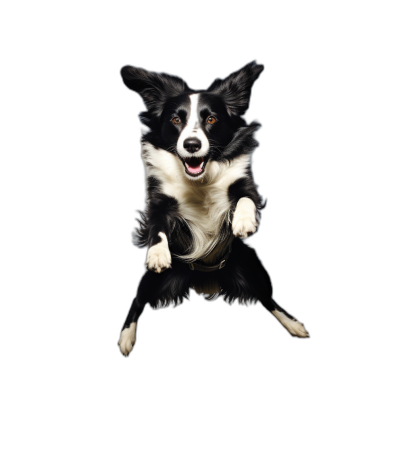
pixel 221 249
pixel 207 287
pixel 208 283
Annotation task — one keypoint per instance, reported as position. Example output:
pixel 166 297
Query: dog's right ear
pixel 154 88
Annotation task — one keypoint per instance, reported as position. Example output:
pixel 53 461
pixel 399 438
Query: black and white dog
pixel 201 197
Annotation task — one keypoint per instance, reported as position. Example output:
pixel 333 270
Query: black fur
pixel 168 102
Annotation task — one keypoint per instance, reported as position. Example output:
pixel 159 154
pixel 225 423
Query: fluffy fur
pixel 201 196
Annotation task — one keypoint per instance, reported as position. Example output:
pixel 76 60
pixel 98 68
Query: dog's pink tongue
pixel 194 169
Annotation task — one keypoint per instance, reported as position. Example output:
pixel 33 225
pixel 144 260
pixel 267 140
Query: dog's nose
pixel 192 144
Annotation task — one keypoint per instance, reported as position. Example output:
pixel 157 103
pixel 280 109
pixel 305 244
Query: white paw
pixel 244 221
pixel 159 256
pixel 127 339
pixel 294 327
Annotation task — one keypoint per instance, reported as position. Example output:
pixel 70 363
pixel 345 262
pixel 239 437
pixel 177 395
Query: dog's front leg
pixel 161 213
pixel 244 221
pixel 159 256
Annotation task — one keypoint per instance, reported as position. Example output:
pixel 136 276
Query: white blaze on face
pixel 193 129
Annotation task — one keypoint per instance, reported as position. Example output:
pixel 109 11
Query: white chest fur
pixel 204 206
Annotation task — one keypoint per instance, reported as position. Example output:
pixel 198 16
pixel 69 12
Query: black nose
pixel 192 144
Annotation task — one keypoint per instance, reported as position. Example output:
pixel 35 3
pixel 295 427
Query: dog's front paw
pixel 127 339
pixel 244 221
pixel 159 256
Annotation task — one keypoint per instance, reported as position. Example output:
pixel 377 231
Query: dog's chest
pixel 202 207
pixel 205 207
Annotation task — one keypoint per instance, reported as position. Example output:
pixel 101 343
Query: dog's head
pixel 196 126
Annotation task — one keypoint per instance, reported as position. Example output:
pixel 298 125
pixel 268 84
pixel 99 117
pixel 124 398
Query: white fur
pixel 203 205
pixel 193 129
pixel 159 256
pixel 127 339
pixel 294 327
pixel 244 220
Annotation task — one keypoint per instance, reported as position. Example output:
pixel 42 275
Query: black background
pixel 296 100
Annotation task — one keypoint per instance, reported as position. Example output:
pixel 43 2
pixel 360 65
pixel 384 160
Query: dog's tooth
pixel 202 164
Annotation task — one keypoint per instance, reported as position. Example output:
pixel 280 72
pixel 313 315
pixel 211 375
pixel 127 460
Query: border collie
pixel 201 196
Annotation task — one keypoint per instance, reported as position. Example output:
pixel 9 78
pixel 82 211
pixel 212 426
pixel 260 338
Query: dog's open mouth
pixel 194 166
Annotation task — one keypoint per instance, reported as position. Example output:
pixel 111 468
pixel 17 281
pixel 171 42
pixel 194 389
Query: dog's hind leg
pixel 128 333
pixel 248 280
pixel 158 290
pixel 286 319
pixel 294 327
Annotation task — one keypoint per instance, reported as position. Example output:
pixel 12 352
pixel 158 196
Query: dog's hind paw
pixel 294 327
pixel 244 219
pixel 159 256
pixel 127 339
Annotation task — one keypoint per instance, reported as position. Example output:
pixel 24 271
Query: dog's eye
pixel 211 120
pixel 176 120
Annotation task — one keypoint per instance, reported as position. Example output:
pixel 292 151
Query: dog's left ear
pixel 236 88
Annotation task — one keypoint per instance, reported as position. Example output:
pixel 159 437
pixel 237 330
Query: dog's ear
pixel 154 88
pixel 236 88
